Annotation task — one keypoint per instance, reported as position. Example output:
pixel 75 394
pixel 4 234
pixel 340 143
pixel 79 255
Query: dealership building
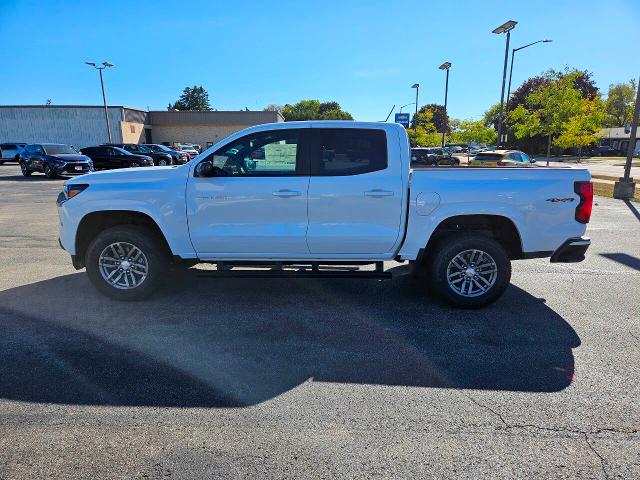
pixel 83 126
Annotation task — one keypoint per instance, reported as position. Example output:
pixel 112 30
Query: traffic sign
pixel 403 119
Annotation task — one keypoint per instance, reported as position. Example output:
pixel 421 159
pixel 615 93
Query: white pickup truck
pixel 303 197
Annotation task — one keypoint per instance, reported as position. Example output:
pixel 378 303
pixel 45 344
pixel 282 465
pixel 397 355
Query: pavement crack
pixel 486 407
pixel 603 463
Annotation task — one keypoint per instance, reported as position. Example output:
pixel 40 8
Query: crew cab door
pixel 355 192
pixel 255 205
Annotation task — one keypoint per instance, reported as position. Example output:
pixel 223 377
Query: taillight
pixel 583 210
pixel 501 164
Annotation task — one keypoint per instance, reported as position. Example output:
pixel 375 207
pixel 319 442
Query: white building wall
pixel 78 126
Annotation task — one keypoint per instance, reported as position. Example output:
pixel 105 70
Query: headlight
pixel 72 190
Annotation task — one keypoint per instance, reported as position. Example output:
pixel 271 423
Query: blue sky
pixel 363 54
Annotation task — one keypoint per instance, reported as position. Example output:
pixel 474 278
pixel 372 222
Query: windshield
pixel 160 148
pixel 121 150
pixel 143 149
pixel 58 149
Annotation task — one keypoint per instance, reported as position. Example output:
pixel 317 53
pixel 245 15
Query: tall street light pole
pixel 445 66
pixel 504 28
pixel 513 53
pixel 104 97
pixel 412 103
pixel 415 116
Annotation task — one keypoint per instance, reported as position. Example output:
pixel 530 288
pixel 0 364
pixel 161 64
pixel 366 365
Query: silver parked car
pixel 10 152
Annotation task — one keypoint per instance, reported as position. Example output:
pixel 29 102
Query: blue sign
pixel 403 119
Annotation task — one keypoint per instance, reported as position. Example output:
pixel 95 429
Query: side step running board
pixel 291 274
pixel 278 271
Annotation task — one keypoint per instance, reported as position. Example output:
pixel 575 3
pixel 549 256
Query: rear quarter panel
pixel 541 203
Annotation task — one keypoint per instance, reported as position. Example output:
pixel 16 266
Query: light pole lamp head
pixel 547 41
pixel 445 66
pixel 415 85
pixel 91 64
pixel 506 27
pixel 107 64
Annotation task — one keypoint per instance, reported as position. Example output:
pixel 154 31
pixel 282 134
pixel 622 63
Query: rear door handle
pixel 378 192
pixel 287 193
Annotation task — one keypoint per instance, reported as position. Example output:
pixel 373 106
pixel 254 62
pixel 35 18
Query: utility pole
pixel 624 188
pixel 504 28
pixel 104 96
pixel 415 116
pixel 445 66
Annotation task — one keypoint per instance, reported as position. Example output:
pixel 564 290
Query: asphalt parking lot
pixel 252 378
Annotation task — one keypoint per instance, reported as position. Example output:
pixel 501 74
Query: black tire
pixel 163 162
pixel 48 172
pixel 446 250
pixel 1 162
pixel 149 244
pixel 134 165
pixel 25 171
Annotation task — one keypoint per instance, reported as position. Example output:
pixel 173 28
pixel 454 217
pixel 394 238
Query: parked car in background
pixel 433 156
pixel 189 150
pixel 603 151
pixel 106 157
pixel 195 146
pixel 502 158
pixel 10 152
pixel 161 159
pixel 53 159
pixel 455 149
pixel 177 158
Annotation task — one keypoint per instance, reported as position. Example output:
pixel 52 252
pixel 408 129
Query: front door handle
pixel 378 192
pixel 285 193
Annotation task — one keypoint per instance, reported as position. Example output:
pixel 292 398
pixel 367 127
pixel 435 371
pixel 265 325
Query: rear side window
pixel 8 146
pixel 489 157
pixel 348 151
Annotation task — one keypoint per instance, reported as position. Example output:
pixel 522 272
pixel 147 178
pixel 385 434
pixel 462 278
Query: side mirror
pixel 205 169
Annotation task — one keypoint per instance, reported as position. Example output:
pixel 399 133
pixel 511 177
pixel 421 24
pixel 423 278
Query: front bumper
pixel 571 251
pixel 70 169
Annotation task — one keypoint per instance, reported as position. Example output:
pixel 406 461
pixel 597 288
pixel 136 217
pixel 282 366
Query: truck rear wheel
pixel 469 271
pixel 126 262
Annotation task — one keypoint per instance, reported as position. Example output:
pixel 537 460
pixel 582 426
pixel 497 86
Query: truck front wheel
pixel 126 262
pixel 470 271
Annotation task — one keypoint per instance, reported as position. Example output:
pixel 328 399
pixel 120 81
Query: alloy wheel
pixel 123 265
pixel 472 273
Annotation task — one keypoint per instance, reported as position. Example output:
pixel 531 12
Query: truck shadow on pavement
pixel 238 342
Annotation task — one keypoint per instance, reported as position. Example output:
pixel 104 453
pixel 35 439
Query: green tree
pixel 314 110
pixel 583 128
pixel 192 98
pixel 438 117
pixel 620 101
pixel 272 107
pixel 425 135
pixel 559 110
pixel 472 132
pixel 491 116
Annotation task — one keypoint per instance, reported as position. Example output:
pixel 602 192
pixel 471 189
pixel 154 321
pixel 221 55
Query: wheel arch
pixel 95 222
pixel 498 227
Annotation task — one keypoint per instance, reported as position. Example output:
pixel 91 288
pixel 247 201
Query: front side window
pixel 271 153
pixel 349 151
